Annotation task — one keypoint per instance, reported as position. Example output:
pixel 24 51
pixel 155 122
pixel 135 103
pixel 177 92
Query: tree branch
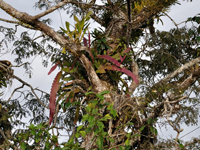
pixel 23 82
pixel 16 22
pixel 172 20
pixel 135 70
pixel 159 88
pixel 52 9
pixel 85 8
pixel 38 25
pixel 179 70
pixel 72 47
pixel 4 136
pixel 14 92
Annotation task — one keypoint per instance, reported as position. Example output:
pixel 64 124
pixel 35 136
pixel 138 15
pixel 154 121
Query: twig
pixel 19 65
pixel 41 91
pixel 20 80
pixel 167 103
pixel 190 132
pixel 172 20
pixel 139 113
pixel 18 23
pixel 81 108
pixel 6 139
pixel 14 92
pixel 4 136
pixel 52 9
pixel 172 102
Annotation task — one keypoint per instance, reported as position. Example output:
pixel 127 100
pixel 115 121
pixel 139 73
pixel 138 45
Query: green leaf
pixel 100 125
pixel 40 126
pixel 101 69
pixel 127 142
pixel 40 132
pixel 68 78
pixel 100 96
pixel 121 147
pixel 79 29
pixel 110 107
pixel 67 26
pixel 152 129
pixel 100 141
pixel 116 56
pixel 198 39
pixel 136 135
pixel 83 133
pixel 156 132
pixel 129 135
pixel 104 40
pixel 197 19
pixel 111 140
pixel 88 109
pixel 79 127
pixel 95 111
pixel 85 117
pixel 88 14
pixel 113 112
pixel 47 146
pixel 37 139
pixel 90 93
pixel 66 69
pixel 89 88
pixel 181 146
pixel 77 135
pixel 82 23
pixel 32 126
pixel 33 132
pixel 102 46
pixel 130 123
pixel 64 30
pixel 76 18
pixel 142 128
pixel 105 92
pixel 106 117
pixel 189 19
pixel 150 121
pixel 23 146
pixel 91 119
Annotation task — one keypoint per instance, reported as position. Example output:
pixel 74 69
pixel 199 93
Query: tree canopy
pixel 116 84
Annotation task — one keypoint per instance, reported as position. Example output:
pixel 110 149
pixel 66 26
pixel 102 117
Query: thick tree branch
pixel 158 89
pixel 190 80
pixel 179 70
pixel 38 25
pixel 72 47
